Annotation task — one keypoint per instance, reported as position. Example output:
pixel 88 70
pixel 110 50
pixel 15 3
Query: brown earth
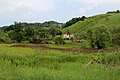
pixel 90 50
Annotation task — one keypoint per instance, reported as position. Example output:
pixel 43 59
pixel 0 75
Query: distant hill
pixel 46 24
pixel 110 19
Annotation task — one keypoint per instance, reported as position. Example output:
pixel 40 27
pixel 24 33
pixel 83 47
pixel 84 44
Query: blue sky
pixel 57 10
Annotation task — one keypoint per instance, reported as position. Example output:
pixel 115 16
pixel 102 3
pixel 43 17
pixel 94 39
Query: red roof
pixel 68 33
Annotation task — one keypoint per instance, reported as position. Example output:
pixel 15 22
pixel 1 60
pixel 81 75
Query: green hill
pixel 110 19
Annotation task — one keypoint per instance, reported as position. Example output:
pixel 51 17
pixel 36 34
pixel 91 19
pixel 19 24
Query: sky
pixel 56 10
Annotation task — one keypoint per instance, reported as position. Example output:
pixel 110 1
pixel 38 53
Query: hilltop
pixel 110 19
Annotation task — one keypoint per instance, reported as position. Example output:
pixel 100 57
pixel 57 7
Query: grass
pixel 70 44
pixel 80 28
pixel 18 63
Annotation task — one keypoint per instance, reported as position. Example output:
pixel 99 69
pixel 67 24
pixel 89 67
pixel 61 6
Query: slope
pixel 111 20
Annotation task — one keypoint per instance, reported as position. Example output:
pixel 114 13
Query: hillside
pixel 111 20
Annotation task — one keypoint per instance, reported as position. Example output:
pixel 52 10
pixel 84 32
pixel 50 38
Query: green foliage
pixel 52 24
pixel 4 38
pixel 112 21
pixel 112 59
pixel 99 37
pixel 118 11
pixel 24 31
pixel 54 31
pixel 31 64
pixel 73 21
pixel 59 40
pixel 116 35
pixel 29 32
pixel 17 33
pixel 36 39
pixel 82 27
pixel 47 24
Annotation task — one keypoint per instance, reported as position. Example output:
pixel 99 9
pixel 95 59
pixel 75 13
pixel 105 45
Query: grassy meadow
pixel 23 63
pixel 111 20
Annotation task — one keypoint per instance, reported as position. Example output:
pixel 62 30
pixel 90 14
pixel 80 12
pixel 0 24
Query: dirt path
pixel 62 49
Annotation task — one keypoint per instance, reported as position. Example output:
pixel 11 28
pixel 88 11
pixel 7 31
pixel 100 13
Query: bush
pixel 35 39
pixel 4 38
pixel 116 35
pixel 112 59
pixel 99 37
pixel 59 40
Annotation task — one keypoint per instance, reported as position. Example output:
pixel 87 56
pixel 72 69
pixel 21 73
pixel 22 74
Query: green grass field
pixel 111 20
pixel 17 63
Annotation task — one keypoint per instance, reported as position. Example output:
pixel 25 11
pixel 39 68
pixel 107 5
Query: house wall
pixel 67 36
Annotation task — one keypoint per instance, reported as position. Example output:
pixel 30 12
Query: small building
pixel 68 35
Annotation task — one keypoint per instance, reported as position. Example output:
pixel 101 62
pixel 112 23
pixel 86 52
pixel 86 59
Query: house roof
pixel 68 33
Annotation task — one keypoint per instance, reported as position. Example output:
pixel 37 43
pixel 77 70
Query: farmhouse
pixel 68 35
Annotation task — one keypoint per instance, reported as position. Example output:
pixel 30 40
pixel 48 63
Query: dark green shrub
pixel 59 40
pixel 18 33
pixel 4 38
pixel 35 39
pixel 116 35
pixel 99 36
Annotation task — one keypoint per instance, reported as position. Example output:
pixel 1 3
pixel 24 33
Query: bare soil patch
pixel 35 46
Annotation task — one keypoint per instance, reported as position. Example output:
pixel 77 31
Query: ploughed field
pixel 54 62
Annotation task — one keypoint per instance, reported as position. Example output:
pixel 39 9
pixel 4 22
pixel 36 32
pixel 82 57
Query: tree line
pixel 100 36
pixel 34 34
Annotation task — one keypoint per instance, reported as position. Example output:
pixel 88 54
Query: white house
pixel 68 35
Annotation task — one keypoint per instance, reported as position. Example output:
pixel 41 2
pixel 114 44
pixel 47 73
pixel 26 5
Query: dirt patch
pixel 62 49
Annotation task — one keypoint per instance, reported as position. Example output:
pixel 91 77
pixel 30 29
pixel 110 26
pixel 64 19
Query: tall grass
pixel 31 64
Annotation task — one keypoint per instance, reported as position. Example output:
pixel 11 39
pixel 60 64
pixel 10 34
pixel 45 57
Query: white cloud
pixel 41 5
pixel 14 8
pixel 112 1
pixel 87 5
pixel 92 4
pixel 94 1
pixel 82 10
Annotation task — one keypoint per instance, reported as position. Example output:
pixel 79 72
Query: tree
pixel 58 32
pixel 53 32
pixel 99 37
pixel 18 33
pixel 116 35
pixel 36 39
pixel 118 11
pixel 73 21
pixel 4 37
pixel 29 32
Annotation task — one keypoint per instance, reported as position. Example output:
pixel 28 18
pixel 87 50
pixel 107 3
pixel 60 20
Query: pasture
pixel 46 62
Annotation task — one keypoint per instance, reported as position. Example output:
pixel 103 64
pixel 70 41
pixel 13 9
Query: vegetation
pixel 73 21
pixel 99 36
pixel 113 12
pixel 38 52
pixel 59 40
pixel 116 35
pixel 43 64
pixel 81 28
pixel 17 33
pixel 54 32
pixel 4 37
pixel 35 25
